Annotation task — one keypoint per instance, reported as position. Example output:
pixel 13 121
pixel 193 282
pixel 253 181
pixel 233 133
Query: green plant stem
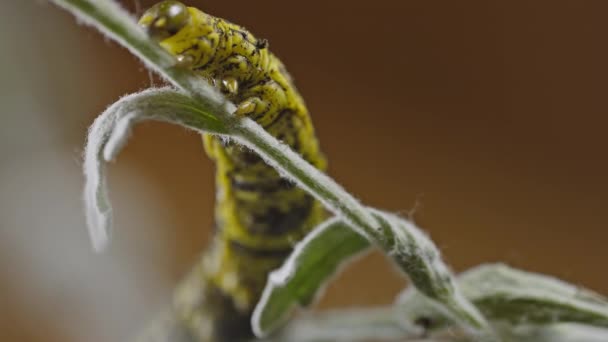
pixel 110 19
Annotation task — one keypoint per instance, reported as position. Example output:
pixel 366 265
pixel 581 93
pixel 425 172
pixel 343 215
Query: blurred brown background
pixel 487 118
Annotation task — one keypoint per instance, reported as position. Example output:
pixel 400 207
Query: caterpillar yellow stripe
pixel 259 216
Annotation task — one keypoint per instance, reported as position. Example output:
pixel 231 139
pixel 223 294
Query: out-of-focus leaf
pixel 517 297
pixel 349 325
pixel 505 293
pixel 564 332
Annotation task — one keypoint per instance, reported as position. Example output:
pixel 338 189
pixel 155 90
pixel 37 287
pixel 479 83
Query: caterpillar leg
pixel 230 85
pixel 251 106
pixel 209 145
pixel 263 102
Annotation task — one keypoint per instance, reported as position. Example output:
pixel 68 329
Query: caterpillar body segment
pixel 259 215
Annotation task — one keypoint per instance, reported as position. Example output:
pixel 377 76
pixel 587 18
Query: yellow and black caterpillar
pixel 259 215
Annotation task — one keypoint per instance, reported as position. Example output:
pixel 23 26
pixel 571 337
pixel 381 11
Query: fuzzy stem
pixel 112 20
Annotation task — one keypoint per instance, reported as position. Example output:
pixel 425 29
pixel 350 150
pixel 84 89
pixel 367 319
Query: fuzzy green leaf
pixel 505 293
pixel 109 133
pixel 298 282
pixel 517 297
pixel 349 325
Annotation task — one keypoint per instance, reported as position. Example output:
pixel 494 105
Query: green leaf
pixel 298 282
pixel 348 325
pixel 517 297
pixel 505 293
pixel 109 133
pixel 564 332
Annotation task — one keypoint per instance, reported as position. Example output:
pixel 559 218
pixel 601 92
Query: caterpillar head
pixel 185 32
pixel 165 19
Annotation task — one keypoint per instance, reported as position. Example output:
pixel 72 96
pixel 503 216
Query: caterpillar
pixel 259 215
